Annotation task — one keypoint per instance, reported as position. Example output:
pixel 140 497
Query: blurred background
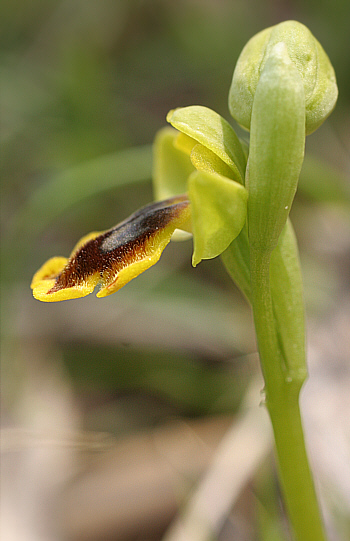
pixel 118 412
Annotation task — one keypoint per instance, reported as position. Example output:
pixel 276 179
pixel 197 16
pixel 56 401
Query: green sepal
pixel 171 166
pixel 219 207
pixel 212 131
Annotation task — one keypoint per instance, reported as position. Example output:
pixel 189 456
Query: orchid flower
pixel 198 176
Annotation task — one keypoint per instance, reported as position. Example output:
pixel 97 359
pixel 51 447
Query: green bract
pixel 276 154
pixel 310 60
pixel 288 303
pixel 286 291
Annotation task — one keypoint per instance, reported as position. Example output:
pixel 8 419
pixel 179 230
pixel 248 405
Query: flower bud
pixel 311 61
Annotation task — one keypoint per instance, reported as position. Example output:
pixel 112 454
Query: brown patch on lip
pixel 117 248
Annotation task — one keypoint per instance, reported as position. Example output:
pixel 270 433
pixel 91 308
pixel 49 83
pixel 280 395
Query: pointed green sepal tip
pixel 219 208
pixel 310 59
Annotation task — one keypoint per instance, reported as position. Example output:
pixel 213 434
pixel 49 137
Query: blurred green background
pixel 85 85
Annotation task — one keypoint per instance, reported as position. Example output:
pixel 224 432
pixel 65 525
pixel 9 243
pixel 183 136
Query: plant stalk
pixel 282 400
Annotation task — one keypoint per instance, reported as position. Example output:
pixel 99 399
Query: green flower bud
pixel 311 61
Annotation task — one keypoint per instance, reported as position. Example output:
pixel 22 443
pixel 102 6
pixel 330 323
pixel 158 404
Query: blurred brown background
pixel 113 410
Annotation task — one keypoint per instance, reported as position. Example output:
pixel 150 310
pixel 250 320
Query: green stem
pixel 282 401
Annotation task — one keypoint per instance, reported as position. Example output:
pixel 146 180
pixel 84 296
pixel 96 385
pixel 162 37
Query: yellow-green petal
pixel 205 160
pixel 214 132
pixel 185 143
pixel 219 207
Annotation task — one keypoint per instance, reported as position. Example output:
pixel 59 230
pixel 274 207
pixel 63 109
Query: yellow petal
pixel 114 257
pixel 49 270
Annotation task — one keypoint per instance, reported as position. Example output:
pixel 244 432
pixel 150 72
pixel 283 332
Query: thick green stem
pixel 282 401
